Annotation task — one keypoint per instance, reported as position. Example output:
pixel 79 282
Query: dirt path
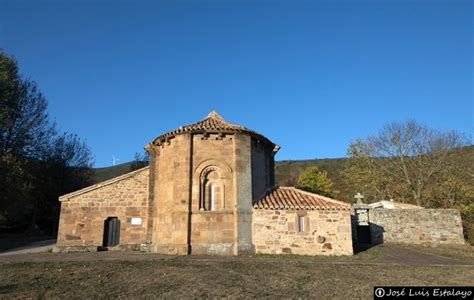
pixel 35 247
pixel 388 254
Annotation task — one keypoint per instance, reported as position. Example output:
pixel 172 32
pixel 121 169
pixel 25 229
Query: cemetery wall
pixel 416 226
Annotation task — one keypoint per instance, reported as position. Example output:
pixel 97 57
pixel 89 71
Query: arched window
pixel 212 189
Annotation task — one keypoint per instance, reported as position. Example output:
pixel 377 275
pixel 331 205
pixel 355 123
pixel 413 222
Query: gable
pixel 138 174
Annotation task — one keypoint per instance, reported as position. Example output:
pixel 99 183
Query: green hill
pixel 103 174
pixel 287 171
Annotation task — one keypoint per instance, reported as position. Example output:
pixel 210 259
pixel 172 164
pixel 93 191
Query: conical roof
pixel 212 123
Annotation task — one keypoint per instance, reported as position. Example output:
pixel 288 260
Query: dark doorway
pixel 111 232
pixel 363 234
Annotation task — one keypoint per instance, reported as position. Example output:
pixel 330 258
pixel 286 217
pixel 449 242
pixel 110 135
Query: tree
pixel 26 129
pixel 402 161
pixel 36 162
pixel 66 168
pixel 25 134
pixel 139 161
pixel 316 181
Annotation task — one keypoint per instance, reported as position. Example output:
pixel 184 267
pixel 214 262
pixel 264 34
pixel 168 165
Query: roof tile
pixel 212 123
pixel 293 198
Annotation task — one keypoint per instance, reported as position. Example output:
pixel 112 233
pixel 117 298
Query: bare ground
pixel 132 275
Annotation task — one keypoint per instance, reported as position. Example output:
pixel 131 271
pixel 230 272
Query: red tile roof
pixel 212 123
pixel 293 198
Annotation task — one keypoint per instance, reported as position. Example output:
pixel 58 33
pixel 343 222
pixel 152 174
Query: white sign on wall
pixel 136 221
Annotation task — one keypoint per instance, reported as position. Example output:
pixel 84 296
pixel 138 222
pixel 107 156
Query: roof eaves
pixel 267 201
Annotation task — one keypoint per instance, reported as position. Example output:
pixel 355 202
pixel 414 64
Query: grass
pixel 462 252
pixel 134 275
pixel 191 277
pixel 365 253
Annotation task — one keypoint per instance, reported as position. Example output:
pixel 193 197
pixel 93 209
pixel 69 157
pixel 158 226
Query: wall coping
pixel 414 210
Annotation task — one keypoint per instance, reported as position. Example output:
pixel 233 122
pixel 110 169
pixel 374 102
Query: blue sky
pixel 310 75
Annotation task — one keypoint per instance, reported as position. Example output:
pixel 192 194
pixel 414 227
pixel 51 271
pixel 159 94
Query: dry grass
pixel 189 277
pixel 134 275
pixel 462 252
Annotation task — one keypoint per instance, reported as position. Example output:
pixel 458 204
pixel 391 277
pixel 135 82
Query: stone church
pixel 209 189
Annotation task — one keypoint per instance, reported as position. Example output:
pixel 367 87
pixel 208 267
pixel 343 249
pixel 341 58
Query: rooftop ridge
pixel 214 115
pixel 212 123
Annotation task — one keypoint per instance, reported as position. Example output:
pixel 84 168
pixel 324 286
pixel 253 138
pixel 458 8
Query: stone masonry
pixel 327 233
pixel 202 187
pixel 416 226
pixel 291 221
pixel 83 213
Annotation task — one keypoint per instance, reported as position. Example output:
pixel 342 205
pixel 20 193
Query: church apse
pixel 204 187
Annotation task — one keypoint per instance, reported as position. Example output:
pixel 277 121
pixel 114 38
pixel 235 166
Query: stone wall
pixel 416 226
pixel 262 161
pixel 243 194
pixel 326 232
pixel 216 151
pixel 212 231
pixel 172 194
pixel 183 167
pixel 83 212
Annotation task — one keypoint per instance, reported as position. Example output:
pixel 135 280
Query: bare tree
pixel 140 160
pixel 403 159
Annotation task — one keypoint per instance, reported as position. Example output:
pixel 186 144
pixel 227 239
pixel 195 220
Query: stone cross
pixel 359 197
